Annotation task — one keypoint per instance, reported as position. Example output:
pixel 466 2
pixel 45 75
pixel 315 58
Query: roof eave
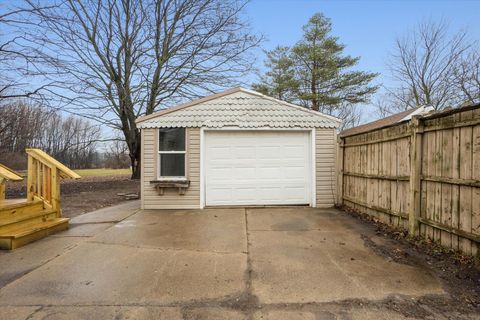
pixel 186 105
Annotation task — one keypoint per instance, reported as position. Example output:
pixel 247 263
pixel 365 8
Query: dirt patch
pixel 398 255
pixel 459 274
pixel 87 194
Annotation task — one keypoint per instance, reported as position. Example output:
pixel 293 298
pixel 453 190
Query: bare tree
pixel 467 77
pixel 116 155
pixel 121 59
pixel 18 57
pixel 72 140
pixel 386 104
pixel 424 66
pixel 350 114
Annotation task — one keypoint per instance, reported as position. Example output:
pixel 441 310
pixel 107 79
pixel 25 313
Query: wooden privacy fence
pixel 421 175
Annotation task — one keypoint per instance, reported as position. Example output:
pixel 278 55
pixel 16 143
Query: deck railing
pixel 43 178
pixel 7 174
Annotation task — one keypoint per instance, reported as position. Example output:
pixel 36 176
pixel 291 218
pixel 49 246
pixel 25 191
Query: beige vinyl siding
pixel 170 199
pixel 325 167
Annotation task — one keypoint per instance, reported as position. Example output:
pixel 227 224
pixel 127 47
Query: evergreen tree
pixel 317 74
pixel 279 81
pixel 326 84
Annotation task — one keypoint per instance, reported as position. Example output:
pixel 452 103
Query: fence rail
pixel 421 175
pixel 7 174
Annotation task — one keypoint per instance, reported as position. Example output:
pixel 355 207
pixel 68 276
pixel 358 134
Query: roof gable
pixel 238 108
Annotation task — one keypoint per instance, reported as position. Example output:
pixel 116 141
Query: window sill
pixel 170 179
pixel 181 184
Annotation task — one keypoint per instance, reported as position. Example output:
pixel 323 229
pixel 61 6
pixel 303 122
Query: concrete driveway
pixel 241 263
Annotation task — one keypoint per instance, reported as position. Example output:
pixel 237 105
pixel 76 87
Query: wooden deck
pixel 39 214
pixel 23 221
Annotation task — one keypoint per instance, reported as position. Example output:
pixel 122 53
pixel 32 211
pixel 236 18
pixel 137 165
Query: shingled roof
pixel 241 108
pixel 385 122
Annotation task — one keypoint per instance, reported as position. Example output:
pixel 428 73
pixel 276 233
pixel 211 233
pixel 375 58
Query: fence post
pixel 55 189
pixel 31 178
pixel 415 175
pixel 340 169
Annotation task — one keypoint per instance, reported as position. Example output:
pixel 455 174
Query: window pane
pixel 172 139
pixel 172 165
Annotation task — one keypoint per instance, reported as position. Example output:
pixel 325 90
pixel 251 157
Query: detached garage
pixel 237 148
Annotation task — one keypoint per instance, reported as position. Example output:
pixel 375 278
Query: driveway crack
pixel 248 277
pixel 248 302
pixel 30 316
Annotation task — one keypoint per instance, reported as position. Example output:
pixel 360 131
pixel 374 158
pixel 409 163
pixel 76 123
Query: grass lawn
pixel 102 172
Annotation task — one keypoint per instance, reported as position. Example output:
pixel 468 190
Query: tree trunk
pixel 315 105
pixel 133 140
pixel 135 154
pixel 313 88
pixel 136 167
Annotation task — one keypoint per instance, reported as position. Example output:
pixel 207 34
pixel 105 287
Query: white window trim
pixel 202 170
pixel 167 178
pixel 313 154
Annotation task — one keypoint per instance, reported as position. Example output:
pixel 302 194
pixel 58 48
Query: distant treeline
pixel 71 140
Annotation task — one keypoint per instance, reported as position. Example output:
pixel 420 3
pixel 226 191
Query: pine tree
pixel 279 81
pixel 317 74
pixel 323 70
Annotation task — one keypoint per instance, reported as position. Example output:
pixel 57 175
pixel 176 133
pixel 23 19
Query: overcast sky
pixel 367 28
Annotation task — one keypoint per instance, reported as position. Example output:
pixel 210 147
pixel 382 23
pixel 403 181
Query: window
pixel 171 152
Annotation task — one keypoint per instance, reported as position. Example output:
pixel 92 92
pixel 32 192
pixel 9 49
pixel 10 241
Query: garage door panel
pixel 294 152
pixel 220 173
pixel 242 163
pixel 294 192
pixel 270 163
pixel 221 153
pixel 259 168
pixel 246 152
pixel 270 194
pixel 221 194
pixel 294 173
pixel 245 194
pixel 244 173
pixel 268 152
pixel 271 173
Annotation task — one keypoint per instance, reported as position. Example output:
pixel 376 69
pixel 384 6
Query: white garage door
pixel 257 167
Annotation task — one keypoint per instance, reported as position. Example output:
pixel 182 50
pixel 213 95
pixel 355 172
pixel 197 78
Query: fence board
pixel 437 234
pixel 476 176
pixel 455 188
pixel 446 213
pixel 430 170
pixel 465 221
pixel 377 173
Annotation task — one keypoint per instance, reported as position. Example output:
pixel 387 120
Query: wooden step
pixel 18 206
pixel 27 219
pixel 16 238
